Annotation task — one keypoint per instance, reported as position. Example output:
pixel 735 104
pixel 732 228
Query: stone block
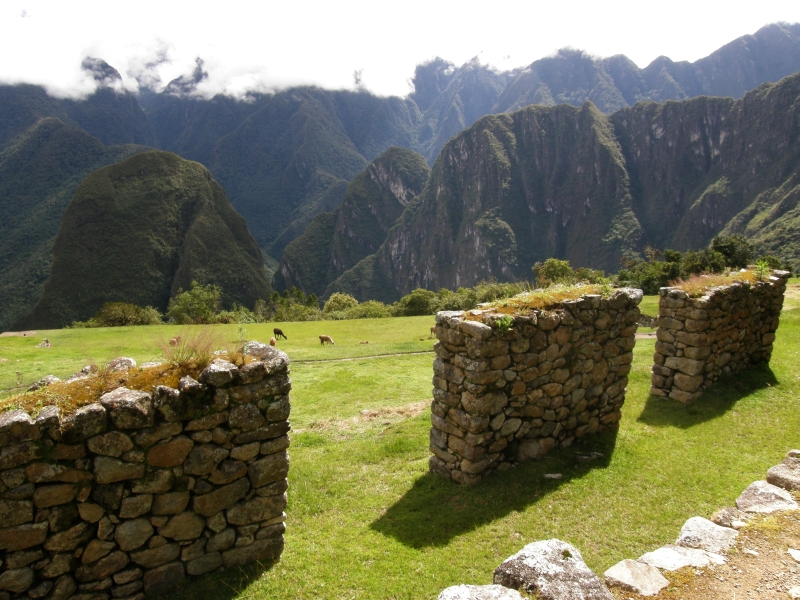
pixel 164 579
pixel 17 426
pixel 114 443
pixel 129 409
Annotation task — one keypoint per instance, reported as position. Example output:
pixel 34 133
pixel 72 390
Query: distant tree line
pixel 201 303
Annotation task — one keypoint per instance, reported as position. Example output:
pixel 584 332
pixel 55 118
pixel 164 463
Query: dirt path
pixel 759 566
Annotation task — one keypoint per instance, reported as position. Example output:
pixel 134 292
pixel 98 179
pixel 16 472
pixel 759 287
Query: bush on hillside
pixel 121 314
pixel 339 302
pixel 198 305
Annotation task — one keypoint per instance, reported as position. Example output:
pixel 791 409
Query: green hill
pixel 39 172
pixel 138 231
pixel 335 241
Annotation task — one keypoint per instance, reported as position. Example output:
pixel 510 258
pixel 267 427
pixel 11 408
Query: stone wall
pixel 127 496
pixel 701 339
pixel 556 376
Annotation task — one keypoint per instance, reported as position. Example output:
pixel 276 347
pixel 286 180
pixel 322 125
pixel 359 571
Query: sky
pixel 260 46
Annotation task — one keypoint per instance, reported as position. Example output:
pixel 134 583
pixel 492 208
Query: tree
pixel 553 271
pixel 197 305
pixel 738 252
pixel 339 302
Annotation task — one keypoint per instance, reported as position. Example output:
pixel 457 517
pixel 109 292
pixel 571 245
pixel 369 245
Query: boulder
pixel 246 417
pixel 121 363
pixel 633 576
pixel 763 497
pixel 786 475
pixel 182 527
pixel 222 498
pixel 129 409
pixel 203 458
pixel 479 592
pixel 132 534
pixel 170 454
pixel 269 469
pixel 701 533
pixel 43 382
pixel 256 510
pixel 219 372
pixel 672 558
pixel 135 506
pixel 17 426
pixel 16 580
pixel 552 569
pixel 111 470
pixel 114 443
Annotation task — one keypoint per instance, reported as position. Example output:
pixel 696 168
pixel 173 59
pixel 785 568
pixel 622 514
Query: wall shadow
pixel 436 510
pixel 222 585
pixel 713 403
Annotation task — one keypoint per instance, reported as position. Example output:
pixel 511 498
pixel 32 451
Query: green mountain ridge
pixel 140 230
pixel 576 184
pixel 336 241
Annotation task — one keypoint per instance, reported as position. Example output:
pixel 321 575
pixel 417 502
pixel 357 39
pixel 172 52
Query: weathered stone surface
pixel 18 454
pixel 23 536
pixel 164 579
pixel 476 329
pixel 61 563
pixel 87 421
pixel 170 504
pixel 228 471
pixel 121 363
pixel 62 517
pixel 685 365
pixel 479 592
pixel 15 512
pixel 156 557
pixel 219 372
pixel 150 436
pixel 185 526
pixel 69 539
pixel 67 452
pixel 124 577
pixel 40 590
pixel 246 452
pixel 96 550
pixel 552 569
pixel 112 470
pixel 52 495
pixel 132 534
pixel 17 426
pixel 268 469
pixel 256 509
pixel 16 580
pixel 129 409
pixel 763 497
pixel 207 422
pixel 212 503
pixel 731 517
pixel 135 506
pixel 279 410
pixel 63 588
pixel 17 560
pixel 204 564
pixel 170 454
pixel 203 458
pixel 266 550
pixel 701 533
pixel 113 443
pixel 785 475
pixel 222 540
pixel 672 558
pixel 155 482
pixel 273 430
pixel 636 577
pixel 246 417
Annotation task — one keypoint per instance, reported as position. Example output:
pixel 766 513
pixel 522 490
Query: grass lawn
pixel 366 520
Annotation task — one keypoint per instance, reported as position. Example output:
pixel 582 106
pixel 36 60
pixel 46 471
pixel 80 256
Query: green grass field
pixel 366 520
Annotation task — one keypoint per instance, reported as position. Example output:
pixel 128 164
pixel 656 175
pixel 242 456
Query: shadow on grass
pixel 436 510
pixel 713 403
pixel 222 585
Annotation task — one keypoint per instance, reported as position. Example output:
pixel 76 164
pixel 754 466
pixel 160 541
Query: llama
pixel 272 341
pixel 279 334
pixel 326 338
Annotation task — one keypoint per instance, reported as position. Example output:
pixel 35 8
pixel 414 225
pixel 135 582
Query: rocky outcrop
pixel 701 339
pixel 131 494
pixel 556 375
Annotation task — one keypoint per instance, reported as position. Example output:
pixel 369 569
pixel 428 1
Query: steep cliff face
pixel 335 241
pixel 574 183
pixel 139 230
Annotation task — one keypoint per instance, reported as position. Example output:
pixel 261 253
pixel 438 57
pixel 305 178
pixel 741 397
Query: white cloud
pixel 260 46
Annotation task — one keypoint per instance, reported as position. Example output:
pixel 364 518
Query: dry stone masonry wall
pixel 503 397
pixel 701 339
pixel 127 496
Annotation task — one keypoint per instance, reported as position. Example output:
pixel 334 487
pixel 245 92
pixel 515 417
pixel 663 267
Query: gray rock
pixel 17 426
pixel 171 503
pixel 553 569
pixel 69 539
pixel 135 506
pixel 228 471
pixel 121 363
pixel 786 475
pixel 701 533
pixel 16 580
pixel 246 452
pixel 222 540
pixel 762 497
pixel 636 577
pixel 157 556
pixel 170 454
pixel 114 443
pixel 225 497
pixel 23 536
pixel 479 592
pixel 87 421
pixel 103 568
pixel 218 373
pixel 672 558
pixel 61 563
pixel 155 482
pixel 129 409
pixel 256 510
pixel 203 458
pixel 133 534
pixel 246 417
pixel 207 422
pixel 269 469
pixel 204 564
pixel 150 436
pixel 96 550
pixel 163 579
pixel 731 517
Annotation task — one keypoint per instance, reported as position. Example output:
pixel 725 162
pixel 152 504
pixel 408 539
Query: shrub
pixel 371 309
pixel 198 305
pixel 738 252
pixel 191 351
pixel 553 271
pixel 418 302
pixel 339 302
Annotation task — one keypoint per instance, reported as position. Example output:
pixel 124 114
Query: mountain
pixel 577 184
pixel 39 172
pixel 335 241
pixel 138 231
